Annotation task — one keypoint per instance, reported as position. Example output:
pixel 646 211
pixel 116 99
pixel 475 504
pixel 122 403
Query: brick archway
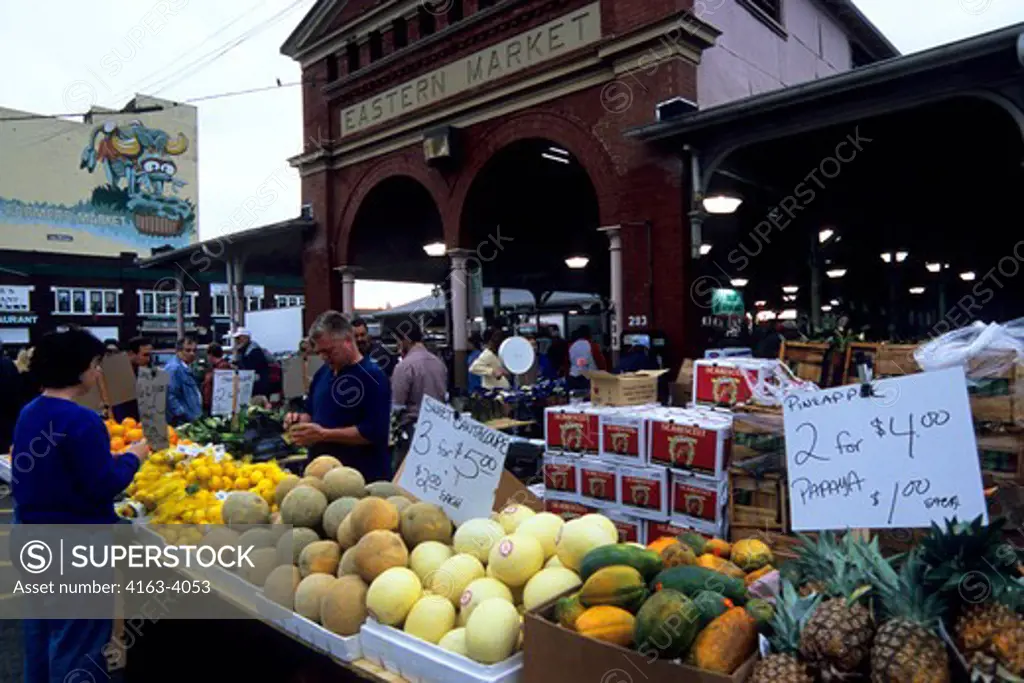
pixel 558 129
pixel 408 165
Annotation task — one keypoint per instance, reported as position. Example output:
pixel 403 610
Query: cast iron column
pixel 348 290
pixel 459 279
pixel 614 233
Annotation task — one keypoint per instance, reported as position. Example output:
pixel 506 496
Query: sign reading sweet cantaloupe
pixel 454 462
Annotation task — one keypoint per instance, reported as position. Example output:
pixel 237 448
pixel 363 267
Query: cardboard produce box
pixel 692 441
pixel 572 429
pixel 554 654
pixel 643 491
pixel 631 529
pixel 597 483
pixel 566 507
pixel 561 473
pixel 626 389
pixel 698 502
pixel 623 436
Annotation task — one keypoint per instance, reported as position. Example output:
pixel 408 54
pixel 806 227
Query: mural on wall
pixel 139 165
pixel 117 183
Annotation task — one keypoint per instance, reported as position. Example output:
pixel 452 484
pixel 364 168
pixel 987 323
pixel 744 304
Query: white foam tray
pixel 418 661
pixel 344 648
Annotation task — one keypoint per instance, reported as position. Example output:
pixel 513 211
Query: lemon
pixel 203 472
pixel 256 477
pixel 216 469
pixel 241 484
pixel 215 483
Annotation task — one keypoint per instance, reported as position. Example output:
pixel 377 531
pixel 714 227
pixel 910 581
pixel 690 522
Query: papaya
pixel 709 561
pixel 661 543
pixel 718 548
pixel 695 541
pixel 726 642
pixel 677 554
pixel 619 586
pixel 666 626
pixel 607 623
pixel 758 574
pixel 711 606
pixel 750 554
pixel 691 579
pixel 647 562
pixel 761 610
pixel 568 610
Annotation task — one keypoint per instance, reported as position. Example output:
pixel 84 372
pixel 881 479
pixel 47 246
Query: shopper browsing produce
pixel 348 412
pixel 184 402
pixel 489 366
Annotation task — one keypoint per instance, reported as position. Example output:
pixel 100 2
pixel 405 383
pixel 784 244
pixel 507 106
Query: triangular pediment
pixel 324 19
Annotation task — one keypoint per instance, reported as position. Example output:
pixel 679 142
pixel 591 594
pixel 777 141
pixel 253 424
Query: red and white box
pixel 631 529
pixel 697 441
pixel 598 483
pixel 729 382
pixel 643 491
pixel 566 509
pixel 572 429
pixel 698 502
pixel 624 435
pixel 561 473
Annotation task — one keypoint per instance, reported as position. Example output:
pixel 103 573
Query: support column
pixel 229 271
pixel 238 290
pixel 614 233
pixel 348 290
pixel 179 289
pixel 458 279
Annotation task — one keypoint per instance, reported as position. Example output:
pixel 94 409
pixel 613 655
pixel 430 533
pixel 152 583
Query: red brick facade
pixel 634 183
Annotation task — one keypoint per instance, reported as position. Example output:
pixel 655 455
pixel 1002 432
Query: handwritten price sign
pixel 151 388
pixel 454 462
pixel 226 400
pixel 902 458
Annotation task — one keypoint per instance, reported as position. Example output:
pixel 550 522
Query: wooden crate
pixel 681 390
pixel 853 349
pixel 895 360
pixel 999 400
pixel 758 502
pixel 805 359
pixel 783 545
pixel 757 432
pixel 1002 457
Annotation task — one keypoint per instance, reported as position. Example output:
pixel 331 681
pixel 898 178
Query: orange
pixel 133 435
pixel 129 423
pixel 117 444
pixel 116 430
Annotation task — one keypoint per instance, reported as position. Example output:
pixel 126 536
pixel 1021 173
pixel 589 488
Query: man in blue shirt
pixel 348 412
pixel 184 401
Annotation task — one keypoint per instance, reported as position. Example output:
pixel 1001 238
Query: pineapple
pixel 791 613
pixel 996 630
pixel 837 637
pixel 907 647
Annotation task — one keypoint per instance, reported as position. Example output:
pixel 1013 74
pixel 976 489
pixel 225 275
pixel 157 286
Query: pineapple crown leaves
pixel 902 593
pixel 968 551
pixel 791 614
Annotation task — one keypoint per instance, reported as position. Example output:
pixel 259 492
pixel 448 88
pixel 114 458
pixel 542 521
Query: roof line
pixel 230 238
pixel 886 70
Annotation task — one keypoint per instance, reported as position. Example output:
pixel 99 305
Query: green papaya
pixel 690 580
pixel 666 626
pixel 618 586
pixel 711 606
pixel 568 610
pixel 761 610
pixel 695 541
pixel 647 562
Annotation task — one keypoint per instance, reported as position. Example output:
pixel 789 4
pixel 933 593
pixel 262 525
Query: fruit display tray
pixel 418 661
pixel 342 648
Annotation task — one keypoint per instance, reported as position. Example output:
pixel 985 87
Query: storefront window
pixel 148 306
pixel 220 304
pixel 95 301
pixel 63 300
pixel 110 301
pixel 78 301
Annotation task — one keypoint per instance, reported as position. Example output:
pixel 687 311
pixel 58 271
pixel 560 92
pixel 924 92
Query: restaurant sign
pixel 28 319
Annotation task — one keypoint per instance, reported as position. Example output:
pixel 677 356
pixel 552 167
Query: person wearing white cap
pixel 250 356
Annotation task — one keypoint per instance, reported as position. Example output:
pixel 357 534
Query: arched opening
pixel 394 222
pixel 531 207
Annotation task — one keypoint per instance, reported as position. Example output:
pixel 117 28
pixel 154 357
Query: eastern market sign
pixel 549 41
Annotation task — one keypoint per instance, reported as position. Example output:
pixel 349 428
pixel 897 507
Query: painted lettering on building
pixel 549 41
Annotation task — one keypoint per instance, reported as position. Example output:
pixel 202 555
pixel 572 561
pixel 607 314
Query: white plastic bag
pixel 982 350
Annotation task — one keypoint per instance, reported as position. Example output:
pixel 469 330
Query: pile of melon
pixel 358 551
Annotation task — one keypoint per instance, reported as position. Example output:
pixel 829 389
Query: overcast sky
pixel 48 48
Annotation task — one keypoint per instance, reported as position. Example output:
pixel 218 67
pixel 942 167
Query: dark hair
pixel 180 344
pixel 136 343
pixel 215 350
pixel 359 322
pixel 413 334
pixel 111 342
pixel 60 358
pixel 495 337
pixel 475 340
pixel 583 332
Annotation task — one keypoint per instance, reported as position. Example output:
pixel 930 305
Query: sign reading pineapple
pixel 903 457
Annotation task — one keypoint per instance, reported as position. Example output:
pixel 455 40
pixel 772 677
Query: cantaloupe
pixel 400 503
pixel 346 537
pixel 335 513
pixel 347 566
pixel 258 537
pixel 284 486
pixel 383 489
pixel 547 584
pixel 478 591
pixel 578 537
pixel 515 559
pixel 264 561
pixel 304 506
pixel 379 551
pixel 292 542
pixel 319 557
pixel 603 522
pixel 392 595
pixel 281 584
pixel 371 514
pixel 245 507
pixel 310 592
pixel 220 537
pixel 544 527
pixel 427 557
pixel 313 482
pixel 454 641
pixel 476 537
pixel 492 631
pixel 320 466
pixel 343 607
pixel 344 481
pixel 452 577
pixel 511 516
pixel 423 522
pixel 430 618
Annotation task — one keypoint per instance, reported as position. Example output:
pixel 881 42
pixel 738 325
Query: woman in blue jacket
pixel 64 473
